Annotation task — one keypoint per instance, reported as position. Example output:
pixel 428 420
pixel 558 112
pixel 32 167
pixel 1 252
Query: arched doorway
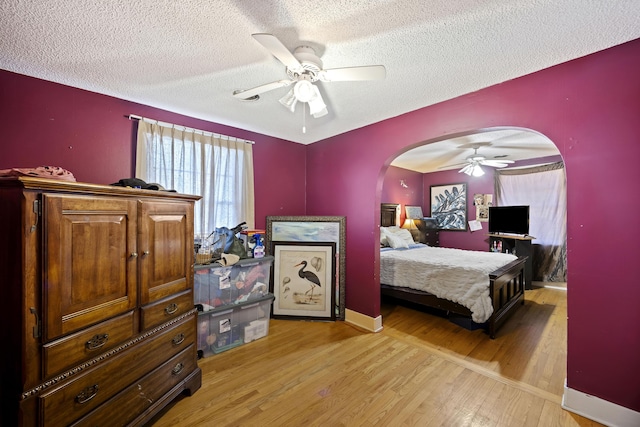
pixel 444 160
pixel 525 337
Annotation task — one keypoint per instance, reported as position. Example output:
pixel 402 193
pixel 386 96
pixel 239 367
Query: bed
pixel 483 286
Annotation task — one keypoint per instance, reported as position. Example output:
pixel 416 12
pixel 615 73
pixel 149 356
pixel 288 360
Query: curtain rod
pixel 188 129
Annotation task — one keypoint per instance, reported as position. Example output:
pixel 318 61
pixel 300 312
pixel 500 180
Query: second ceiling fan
pixel 472 166
pixel 304 68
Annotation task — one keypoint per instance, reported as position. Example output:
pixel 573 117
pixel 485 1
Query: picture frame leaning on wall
pixel 304 275
pixel 309 228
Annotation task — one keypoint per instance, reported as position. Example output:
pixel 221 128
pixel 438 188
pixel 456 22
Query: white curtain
pixel 218 168
pixel 543 188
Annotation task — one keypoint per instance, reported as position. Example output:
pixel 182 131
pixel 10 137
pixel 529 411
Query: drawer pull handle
pixel 171 308
pixel 177 369
pixel 178 339
pixel 96 342
pixel 87 394
pixel 134 254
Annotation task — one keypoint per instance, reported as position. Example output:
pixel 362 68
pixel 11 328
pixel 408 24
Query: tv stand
pixel 519 245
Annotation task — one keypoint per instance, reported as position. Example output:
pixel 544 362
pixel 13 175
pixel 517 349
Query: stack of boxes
pixel 234 303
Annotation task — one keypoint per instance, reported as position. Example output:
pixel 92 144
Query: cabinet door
pixel 90 264
pixel 166 247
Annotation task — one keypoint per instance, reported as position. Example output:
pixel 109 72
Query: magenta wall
pixel 394 192
pixel 590 108
pixel 89 134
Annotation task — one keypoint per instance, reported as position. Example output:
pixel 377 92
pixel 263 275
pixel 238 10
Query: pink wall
pixel 89 134
pixel 590 109
pixel 394 192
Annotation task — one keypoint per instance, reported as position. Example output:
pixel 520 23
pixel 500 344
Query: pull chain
pixel 304 115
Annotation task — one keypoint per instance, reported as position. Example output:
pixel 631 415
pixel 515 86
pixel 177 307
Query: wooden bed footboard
pixel 506 290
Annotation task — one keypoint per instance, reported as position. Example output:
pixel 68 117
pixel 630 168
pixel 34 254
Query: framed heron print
pixel 314 229
pixel 304 280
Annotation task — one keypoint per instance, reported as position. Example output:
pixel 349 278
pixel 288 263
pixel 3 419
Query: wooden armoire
pixel 96 284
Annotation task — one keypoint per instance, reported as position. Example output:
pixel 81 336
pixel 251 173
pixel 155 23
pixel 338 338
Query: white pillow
pixel 405 235
pixel 383 237
pixel 396 241
pixel 383 234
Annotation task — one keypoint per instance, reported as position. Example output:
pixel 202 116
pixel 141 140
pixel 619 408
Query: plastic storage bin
pixel 227 327
pixel 217 286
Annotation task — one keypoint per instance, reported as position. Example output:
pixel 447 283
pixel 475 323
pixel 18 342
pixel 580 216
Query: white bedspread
pixel 454 274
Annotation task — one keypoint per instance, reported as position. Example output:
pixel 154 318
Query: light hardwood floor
pixel 421 370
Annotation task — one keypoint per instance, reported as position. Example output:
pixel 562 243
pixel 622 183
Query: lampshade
pixel 289 101
pixel 410 224
pixel 317 107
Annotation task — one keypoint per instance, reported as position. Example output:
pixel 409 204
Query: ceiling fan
pixel 472 166
pixel 304 68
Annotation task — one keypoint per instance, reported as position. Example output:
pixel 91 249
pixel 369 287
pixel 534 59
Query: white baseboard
pixel 362 321
pixel 599 410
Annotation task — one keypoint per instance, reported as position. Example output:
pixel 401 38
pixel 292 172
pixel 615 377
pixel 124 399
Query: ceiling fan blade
pixel 496 163
pixel 453 165
pixel 246 94
pixel 367 72
pixel 466 169
pixel 277 49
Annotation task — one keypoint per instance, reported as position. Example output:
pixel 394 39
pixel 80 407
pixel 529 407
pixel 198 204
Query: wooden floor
pixel 421 370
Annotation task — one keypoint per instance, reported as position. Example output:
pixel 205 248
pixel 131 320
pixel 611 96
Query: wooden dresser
pixel 97 293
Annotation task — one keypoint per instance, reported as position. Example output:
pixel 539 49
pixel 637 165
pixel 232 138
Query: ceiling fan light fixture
pixel 476 170
pixel 304 90
pixel 320 113
pixel 289 101
pixel 304 67
pixel 317 107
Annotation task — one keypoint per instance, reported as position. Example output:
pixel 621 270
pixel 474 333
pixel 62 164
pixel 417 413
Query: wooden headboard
pixel 388 214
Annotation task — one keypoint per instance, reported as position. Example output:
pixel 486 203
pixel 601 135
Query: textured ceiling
pixel 497 144
pixel 189 56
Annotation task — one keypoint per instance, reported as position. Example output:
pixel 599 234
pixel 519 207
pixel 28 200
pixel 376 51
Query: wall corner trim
pixel 362 321
pixel 600 410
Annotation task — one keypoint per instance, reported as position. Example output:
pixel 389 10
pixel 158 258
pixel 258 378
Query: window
pixel 218 168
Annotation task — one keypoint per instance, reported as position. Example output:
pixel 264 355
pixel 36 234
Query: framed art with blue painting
pixel 449 206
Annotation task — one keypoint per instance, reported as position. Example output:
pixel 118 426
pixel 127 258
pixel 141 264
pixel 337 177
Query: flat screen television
pixel 509 219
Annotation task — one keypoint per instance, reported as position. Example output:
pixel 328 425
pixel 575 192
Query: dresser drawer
pixel 166 309
pixel 77 397
pixel 88 343
pixel 432 237
pixel 138 397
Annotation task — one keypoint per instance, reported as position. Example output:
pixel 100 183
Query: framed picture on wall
pixel 304 280
pixel 482 203
pixel 449 206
